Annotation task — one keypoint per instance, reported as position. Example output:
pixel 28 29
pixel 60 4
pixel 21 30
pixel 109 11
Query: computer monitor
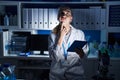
pixel 19 41
pixel 38 42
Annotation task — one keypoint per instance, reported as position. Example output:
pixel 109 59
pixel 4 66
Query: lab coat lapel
pixel 72 36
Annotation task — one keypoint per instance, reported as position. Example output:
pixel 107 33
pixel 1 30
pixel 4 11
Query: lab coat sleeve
pixel 55 51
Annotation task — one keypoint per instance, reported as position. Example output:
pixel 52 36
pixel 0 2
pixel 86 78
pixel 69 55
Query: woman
pixel 66 65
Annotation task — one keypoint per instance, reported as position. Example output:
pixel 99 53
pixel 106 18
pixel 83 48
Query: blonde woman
pixel 66 65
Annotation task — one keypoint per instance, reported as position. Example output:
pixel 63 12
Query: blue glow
pixel 43 32
pixel 92 35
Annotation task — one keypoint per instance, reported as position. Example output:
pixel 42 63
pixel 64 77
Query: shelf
pixel 58 4
pixel 8 27
pixel 26 58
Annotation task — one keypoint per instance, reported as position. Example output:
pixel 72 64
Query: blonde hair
pixel 56 29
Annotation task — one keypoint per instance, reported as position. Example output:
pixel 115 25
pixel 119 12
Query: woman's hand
pixel 64 29
pixel 80 52
pixel 62 33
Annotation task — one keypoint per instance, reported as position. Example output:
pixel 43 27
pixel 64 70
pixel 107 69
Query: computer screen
pixel 38 42
pixel 19 41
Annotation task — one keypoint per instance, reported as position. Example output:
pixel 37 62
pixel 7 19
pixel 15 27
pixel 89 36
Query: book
pixel 76 44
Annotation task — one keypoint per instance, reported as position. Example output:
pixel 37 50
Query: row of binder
pixel 91 18
pixel 39 18
pixel 46 18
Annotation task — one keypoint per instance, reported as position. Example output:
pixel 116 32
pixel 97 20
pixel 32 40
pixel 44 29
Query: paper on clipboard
pixel 76 44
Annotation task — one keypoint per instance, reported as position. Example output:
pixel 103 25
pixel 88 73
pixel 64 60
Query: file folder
pixel 92 18
pixel 77 18
pixel 35 18
pixel 74 19
pixel 103 18
pixel 53 22
pixel 87 16
pixel 30 20
pixel 76 44
pixel 25 18
pixel 97 17
pixel 40 19
pixel 83 18
pixel 45 18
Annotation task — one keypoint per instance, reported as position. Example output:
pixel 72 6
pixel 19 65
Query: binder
pixel 25 18
pixel 76 18
pixel 103 18
pixel 83 18
pixel 35 18
pixel 97 17
pixel 30 20
pixel 40 19
pixel 87 16
pixel 52 17
pixel 92 18
pixel 45 18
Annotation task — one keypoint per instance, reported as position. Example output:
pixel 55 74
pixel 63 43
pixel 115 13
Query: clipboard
pixel 76 44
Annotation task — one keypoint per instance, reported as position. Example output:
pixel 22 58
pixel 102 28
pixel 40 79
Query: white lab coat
pixel 70 69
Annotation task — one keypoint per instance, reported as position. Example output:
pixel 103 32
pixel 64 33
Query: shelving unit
pixel 92 14
pixel 44 17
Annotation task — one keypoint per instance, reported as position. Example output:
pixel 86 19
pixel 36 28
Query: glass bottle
pixel 6 20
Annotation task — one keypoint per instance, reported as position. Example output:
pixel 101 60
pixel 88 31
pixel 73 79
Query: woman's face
pixel 65 17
